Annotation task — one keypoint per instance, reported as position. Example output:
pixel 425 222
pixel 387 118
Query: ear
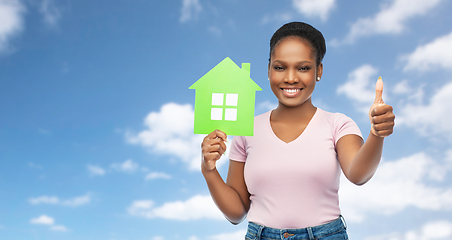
pixel 268 71
pixel 320 70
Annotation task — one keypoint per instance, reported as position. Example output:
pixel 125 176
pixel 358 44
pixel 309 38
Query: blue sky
pixel 96 117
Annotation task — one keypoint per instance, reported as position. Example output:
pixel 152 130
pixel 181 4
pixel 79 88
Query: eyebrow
pixel 279 61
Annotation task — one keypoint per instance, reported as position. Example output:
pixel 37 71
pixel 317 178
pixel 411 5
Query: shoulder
pixel 341 124
pixel 263 117
pixel 335 117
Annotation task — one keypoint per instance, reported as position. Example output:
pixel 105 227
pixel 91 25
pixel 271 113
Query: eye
pixel 278 68
pixel 304 68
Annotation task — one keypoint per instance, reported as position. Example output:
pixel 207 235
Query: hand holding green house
pixel 225 99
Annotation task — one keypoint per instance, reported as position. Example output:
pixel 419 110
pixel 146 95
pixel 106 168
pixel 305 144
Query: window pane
pixel 217 99
pixel 231 99
pixel 230 114
pixel 216 114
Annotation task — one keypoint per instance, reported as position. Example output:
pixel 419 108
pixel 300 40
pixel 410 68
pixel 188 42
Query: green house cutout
pixel 225 99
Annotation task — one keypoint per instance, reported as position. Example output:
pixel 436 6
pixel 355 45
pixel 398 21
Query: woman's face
pixel 293 71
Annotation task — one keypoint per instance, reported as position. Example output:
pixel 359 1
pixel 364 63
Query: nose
pixel 291 77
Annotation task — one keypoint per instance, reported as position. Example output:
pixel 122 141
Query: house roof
pixel 226 76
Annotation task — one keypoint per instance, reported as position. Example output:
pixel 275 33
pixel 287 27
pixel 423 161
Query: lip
pixel 291 92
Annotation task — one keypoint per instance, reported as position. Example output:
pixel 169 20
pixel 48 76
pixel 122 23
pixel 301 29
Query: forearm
pixel 225 197
pixel 366 160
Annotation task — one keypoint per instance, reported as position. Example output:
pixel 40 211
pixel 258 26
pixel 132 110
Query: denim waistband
pixel 260 231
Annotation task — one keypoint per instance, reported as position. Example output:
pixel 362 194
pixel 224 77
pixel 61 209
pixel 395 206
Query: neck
pixel 294 114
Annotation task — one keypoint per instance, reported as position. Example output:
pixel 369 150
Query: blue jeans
pixel 335 230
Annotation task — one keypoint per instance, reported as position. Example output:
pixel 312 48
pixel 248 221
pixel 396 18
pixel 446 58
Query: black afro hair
pixel 304 31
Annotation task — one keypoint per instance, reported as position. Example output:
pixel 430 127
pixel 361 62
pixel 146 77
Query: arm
pixel 360 161
pixel 232 197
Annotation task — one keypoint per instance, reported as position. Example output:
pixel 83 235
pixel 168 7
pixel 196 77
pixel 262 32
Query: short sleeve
pixel 344 125
pixel 238 149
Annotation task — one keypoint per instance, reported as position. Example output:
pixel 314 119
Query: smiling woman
pixel 297 148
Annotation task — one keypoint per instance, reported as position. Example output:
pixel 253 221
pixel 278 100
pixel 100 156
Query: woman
pixel 285 178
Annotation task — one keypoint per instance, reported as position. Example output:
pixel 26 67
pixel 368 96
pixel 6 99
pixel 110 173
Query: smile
pixel 291 90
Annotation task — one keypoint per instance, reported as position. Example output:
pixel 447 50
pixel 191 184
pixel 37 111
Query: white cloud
pixel 77 201
pixel 313 9
pixel 170 132
pixel 43 219
pixel 11 21
pixel 437 230
pixel 46 220
pixel 433 55
pixel 193 238
pixel 239 235
pixel 59 228
pixel 190 9
pixel 73 202
pixel 50 12
pixel 397 185
pixel 44 200
pixel 402 87
pixel 431 119
pixel 157 175
pixel 281 17
pixel 95 170
pixel 128 166
pixel 391 19
pixel 360 87
pixel 408 93
pixel 197 207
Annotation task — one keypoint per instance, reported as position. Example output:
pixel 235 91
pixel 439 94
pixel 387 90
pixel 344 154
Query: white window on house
pixel 227 106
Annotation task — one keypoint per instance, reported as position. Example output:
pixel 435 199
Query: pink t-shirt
pixel 293 185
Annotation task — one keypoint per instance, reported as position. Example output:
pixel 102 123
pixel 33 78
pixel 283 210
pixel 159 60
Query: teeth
pixel 290 90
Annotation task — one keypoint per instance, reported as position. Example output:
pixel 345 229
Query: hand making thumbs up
pixel 380 114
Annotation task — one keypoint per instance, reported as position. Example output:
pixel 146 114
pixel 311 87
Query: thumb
pixel 379 91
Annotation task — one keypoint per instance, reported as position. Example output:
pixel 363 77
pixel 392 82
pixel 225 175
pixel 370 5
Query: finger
pixel 381 110
pixel 379 91
pixel 383 126
pixel 217 134
pixel 218 141
pixel 211 142
pixel 220 148
pixel 380 130
pixel 220 134
pixel 388 117
pixel 214 156
pixel 384 119
pixel 383 133
pixel 210 145
pixel 212 135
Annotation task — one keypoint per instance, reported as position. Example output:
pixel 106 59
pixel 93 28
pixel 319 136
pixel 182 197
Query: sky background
pixel 96 118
